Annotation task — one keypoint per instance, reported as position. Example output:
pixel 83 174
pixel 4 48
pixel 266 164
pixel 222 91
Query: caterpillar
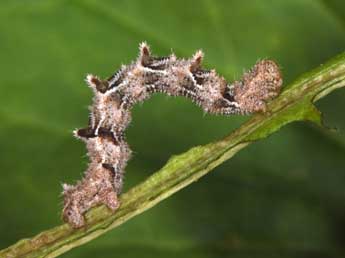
pixel 110 114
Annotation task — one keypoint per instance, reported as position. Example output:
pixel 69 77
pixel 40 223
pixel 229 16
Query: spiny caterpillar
pixel 111 113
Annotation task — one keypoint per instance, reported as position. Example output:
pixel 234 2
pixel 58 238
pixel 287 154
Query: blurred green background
pixel 281 197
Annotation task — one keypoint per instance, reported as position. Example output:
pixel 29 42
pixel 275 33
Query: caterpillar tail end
pixel 259 85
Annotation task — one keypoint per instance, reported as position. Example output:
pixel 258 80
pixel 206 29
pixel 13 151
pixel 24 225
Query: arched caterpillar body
pixel 110 115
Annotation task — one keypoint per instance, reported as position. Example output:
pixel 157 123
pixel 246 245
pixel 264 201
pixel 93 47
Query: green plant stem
pixel 294 104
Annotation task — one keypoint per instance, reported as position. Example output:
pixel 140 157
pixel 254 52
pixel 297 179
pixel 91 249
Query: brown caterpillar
pixel 110 115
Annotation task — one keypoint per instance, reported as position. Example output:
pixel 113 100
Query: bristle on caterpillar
pixel 110 115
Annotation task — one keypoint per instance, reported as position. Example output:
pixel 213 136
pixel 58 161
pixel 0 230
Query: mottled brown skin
pixel 96 188
pixel 110 115
pixel 263 82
